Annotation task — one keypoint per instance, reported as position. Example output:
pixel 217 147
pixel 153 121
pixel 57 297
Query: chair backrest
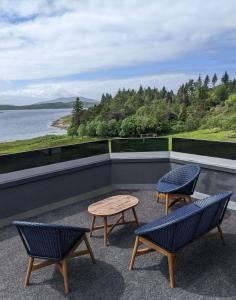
pixel 210 214
pixel 185 224
pixel 186 176
pixel 47 240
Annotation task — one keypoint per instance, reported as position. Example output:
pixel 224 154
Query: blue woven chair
pixel 177 185
pixel 169 234
pixel 52 243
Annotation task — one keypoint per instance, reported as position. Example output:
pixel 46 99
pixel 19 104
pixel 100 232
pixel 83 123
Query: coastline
pixel 62 123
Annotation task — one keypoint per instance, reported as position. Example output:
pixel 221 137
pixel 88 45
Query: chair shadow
pixel 88 281
pixel 123 237
pixel 205 268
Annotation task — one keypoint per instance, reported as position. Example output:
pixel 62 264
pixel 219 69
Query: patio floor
pixel 204 270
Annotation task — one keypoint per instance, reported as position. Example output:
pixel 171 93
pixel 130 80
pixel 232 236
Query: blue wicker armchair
pixel 178 184
pixel 169 234
pixel 52 243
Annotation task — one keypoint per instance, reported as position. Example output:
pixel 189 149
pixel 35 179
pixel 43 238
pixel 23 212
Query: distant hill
pixel 68 100
pixel 58 103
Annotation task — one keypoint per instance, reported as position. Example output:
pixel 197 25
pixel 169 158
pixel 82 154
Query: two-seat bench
pixel 171 233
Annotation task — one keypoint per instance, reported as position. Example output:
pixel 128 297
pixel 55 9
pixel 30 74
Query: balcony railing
pixel 47 156
pixel 204 147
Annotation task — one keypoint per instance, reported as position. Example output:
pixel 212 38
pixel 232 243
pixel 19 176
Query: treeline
pixel 197 104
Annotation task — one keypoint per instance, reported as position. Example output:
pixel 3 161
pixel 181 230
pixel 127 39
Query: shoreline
pixel 62 123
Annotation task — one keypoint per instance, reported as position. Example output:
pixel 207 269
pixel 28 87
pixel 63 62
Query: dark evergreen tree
pixel 77 112
pixel 206 81
pixel 225 78
pixel 214 79
pixel 199 81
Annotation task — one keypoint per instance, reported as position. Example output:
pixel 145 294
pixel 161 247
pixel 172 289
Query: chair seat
pixel 166 187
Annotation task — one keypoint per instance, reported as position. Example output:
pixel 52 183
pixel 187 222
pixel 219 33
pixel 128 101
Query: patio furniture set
pixel 55 244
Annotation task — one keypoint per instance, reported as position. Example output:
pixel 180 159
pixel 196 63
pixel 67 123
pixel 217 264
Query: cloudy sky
pixel 51 49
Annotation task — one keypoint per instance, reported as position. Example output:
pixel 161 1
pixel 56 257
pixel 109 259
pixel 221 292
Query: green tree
pixel 214 80
pixel 206 81
pixel 199 80
pixel 82 130
pixel 102 129
pixel 91 128
pixel 113 128
pixel 77 112
pixel 72 131
pixel 225 78
pixel 128 127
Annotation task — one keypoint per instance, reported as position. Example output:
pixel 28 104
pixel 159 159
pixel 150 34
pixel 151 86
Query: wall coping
pixel 19 177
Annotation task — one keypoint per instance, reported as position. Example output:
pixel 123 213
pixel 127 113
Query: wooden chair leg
pixel 105 231
pixel 65 275
pixel 157 194
pixel 188 199
pixel 28 272
pixel 221 234
pixel 167 204
pixel 134 253
pixel 135 216
pixel 89 249
pixel 171 268
pixel 92 226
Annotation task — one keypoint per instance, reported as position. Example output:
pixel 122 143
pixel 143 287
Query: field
pixel 41 142
pixel 208 134
pixel 59 140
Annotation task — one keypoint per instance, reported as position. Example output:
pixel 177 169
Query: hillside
pixel 200 104
pixel 58 103
pixel 69 100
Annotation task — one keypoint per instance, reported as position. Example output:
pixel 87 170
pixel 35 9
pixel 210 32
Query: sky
pixel 61 48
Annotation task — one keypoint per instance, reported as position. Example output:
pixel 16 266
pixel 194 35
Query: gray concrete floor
pixel 204 270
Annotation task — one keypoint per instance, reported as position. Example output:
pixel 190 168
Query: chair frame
pixel 172 196
pixel 62 264
pixel 150 247
pixel 171 199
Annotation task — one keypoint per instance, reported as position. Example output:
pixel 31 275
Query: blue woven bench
pixel 52 243
pixel 178 184
pixel 171 233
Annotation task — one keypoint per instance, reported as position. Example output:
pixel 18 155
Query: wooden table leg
pixel 135 216
pixel 92 226
pixel 123 216
pixel 105 231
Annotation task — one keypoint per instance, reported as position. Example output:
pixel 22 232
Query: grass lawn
pixel 208 134
pixel 59 140
pixel 41 142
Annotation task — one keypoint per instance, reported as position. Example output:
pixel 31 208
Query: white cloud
pixel 91 89
pixel 69 37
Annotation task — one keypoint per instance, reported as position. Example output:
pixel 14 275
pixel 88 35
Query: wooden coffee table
pixel 112 206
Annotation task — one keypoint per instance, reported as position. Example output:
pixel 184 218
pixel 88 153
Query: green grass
pixel 41 142
pixel 207 134
pixel 59 140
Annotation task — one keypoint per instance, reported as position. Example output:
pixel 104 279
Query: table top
pixel 113 205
